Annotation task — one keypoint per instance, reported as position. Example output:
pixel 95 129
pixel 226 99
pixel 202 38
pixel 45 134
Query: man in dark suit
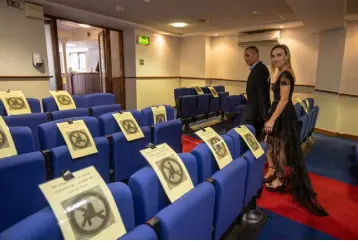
pixel 258 92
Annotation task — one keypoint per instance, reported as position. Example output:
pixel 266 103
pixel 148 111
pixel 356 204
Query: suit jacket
pixel 258 93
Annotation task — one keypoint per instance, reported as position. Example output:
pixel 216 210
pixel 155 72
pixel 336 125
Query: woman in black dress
pixel 287 170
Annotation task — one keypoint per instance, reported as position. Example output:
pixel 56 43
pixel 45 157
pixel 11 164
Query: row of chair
pixel 307 120
pixel 235 110
pixel 192 107
pixel 82 102
pixel 117 155
pixel 46 135
pixel 207 211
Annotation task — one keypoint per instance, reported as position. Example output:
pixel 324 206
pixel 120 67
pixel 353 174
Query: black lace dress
pixel 284 148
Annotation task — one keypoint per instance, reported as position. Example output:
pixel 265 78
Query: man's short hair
pixel 253 48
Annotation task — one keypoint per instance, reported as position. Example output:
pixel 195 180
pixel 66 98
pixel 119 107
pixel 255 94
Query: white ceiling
pixel 68 26
pixel 223 15
pixel 74 46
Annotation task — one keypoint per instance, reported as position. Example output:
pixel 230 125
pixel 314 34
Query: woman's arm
pixel 284 93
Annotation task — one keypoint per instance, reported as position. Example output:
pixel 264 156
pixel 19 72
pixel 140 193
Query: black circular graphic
pixel 2 139
pixel 15 103
pixel 129 126
pixel 64 99
pixel 159 118
pixel 251 141
pixel 218 146
pixel 79 139
pixel 172 171
pixel 91 217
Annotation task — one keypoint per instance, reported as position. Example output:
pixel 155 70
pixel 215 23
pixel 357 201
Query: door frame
pixel 109 82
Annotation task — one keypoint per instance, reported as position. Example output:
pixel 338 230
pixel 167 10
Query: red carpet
pixel 338 198
pixel 189 143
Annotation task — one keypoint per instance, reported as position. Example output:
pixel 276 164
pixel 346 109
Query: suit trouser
pixel 258 125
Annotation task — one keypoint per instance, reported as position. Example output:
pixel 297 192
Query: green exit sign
pixel 143 40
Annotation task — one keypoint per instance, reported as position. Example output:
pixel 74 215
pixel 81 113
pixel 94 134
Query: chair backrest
pixel 187 106
pixel 255 173
pixel 202 105
pixel 299 110
pixel 50 136
pixel 233 101
pixel 304 122
pixel 311 101
pixel 108 124
pixel 147 114
pixel 316 116
pixel 34 104
pixel 97 111
pixel 61 159
pixel 148 194
pixel 240 146
pixel 179 92
pixel 43 224
pixel 63 114
pixel 23 139
pixel 97 99
pixel 49 103
pixel 223 99
pixel 169 132
pixel 20 195
pixel 126 156
pixel 207 164
pixel 219 88
pixel 29 120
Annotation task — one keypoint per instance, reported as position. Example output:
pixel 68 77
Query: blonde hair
pixel 275 71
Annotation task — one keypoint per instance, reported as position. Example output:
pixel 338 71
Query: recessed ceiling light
pixel 281 26
pixel 84 25
pixel 255 12
pixel 120 8
pixel 178 25
pixel 216 34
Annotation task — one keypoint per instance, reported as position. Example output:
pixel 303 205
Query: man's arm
pixel 263 90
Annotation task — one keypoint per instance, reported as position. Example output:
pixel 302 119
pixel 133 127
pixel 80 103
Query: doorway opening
pixel 85 59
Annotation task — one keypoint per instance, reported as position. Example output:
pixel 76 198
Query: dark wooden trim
pixel 325 132
pixel 348 136
pixel 122 81
pixel 302 85
pixel 327 91
pixel 336 134
pixel 56 54
pixel 349 95
pixel 152 77
pixel 26 77
pixel 107 53
pixel 199 78
pixel 75 21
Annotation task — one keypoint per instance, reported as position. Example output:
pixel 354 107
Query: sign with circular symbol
pixel 92 217
pixel 2 139
pixel 79 139
pixel 219 149
pixel 16 103
pixel 251 141
pixel 172 171
pixel 64 100
pixel 159 118
pixel 129 126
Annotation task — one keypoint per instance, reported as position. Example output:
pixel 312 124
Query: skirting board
pixel 330 133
